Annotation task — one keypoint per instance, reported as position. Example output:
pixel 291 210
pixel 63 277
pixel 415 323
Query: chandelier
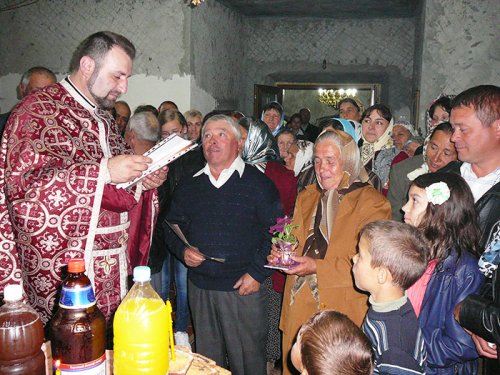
pixel 195 3
pixel 333 97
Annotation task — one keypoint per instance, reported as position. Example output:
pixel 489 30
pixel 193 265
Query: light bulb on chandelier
pixel 195 3
pixel 333 97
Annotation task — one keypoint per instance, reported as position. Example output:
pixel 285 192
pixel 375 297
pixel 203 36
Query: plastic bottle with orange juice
pixel 141 330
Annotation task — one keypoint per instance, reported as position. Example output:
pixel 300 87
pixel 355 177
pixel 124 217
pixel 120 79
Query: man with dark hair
pixel 166 105
pixel 475 117
pixel 310 131
pixel 225 210
pixel 121 114
pixel 34 78
pixel 146 108
pixel 60 161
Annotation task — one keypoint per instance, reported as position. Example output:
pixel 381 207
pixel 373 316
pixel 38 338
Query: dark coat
pixel 186 166
pixel 480 313
pixel 399 184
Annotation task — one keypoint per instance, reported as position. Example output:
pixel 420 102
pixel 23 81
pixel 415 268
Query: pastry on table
pixel 181 364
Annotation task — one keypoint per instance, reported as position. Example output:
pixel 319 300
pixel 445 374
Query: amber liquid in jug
pixel 21 336
pixel 78 329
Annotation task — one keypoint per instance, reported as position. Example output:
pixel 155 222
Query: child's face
pixel 295 354
pixel 415 208
pixel 365 275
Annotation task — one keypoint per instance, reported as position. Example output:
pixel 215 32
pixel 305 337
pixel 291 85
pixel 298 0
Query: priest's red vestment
pixel 56 202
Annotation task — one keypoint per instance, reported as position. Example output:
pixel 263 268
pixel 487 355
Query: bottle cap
pixel 13 292
pixel 142 273
pixel 76 265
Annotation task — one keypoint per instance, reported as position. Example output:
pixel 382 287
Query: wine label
pixel 95 367
pixel 77 297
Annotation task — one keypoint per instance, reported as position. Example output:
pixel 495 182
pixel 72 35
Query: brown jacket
pixel 335 280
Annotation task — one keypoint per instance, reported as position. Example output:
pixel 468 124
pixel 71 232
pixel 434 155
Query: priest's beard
pixel 102 102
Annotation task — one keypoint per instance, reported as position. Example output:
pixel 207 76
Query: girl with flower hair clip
pixel 442 206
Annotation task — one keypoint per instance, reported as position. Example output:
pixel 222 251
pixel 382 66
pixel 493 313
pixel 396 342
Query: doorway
pixel 299 95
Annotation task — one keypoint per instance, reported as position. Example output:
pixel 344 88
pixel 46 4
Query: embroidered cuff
pixel 105 170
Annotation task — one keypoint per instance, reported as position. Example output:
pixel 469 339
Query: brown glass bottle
pixel 78 329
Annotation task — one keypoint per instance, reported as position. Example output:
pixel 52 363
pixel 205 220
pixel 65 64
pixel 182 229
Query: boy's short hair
pixel 332 344
pixel 399 247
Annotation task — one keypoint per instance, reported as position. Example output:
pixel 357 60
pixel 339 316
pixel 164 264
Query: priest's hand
pixel 247 285
pixel 155 179
pixel 306 266
pixel 124 168
pixel 193 257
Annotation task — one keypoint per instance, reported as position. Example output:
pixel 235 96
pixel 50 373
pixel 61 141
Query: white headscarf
pixel 304 157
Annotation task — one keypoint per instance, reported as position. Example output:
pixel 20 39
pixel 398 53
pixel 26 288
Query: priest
pixel 61 158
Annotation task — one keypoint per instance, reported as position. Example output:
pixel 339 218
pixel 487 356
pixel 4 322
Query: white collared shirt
pixel 479 185
pixel 237 165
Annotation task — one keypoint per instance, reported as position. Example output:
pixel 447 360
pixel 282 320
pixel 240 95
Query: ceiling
pixel 325 8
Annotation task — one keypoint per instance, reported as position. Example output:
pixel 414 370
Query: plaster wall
pixel 356 51
pixel 217 53
pixel 46 33
pixel 460 48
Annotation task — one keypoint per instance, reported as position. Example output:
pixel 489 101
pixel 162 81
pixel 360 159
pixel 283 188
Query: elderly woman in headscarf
pixel 376 129
pixel 329 216
pixel 274 117
pixel 401 132
pixel 261 150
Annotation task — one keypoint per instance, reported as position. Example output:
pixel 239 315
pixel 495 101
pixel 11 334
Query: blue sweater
pixel 231 222
pixel 397 341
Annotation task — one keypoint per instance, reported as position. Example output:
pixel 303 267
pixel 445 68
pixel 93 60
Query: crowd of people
pixel 396 268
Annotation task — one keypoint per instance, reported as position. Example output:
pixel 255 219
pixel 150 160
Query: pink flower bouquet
pixel 284 240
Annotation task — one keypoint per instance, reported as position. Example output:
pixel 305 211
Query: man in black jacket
pixel 475 117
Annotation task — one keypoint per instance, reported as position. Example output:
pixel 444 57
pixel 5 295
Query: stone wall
pixel 460 47
pixel 356 51
pixel 46 33
pixel 211 56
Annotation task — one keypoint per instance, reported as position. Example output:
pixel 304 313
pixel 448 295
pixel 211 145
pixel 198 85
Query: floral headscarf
pixel 369 149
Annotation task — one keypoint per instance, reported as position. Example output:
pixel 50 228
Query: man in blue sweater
pixel 225 210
